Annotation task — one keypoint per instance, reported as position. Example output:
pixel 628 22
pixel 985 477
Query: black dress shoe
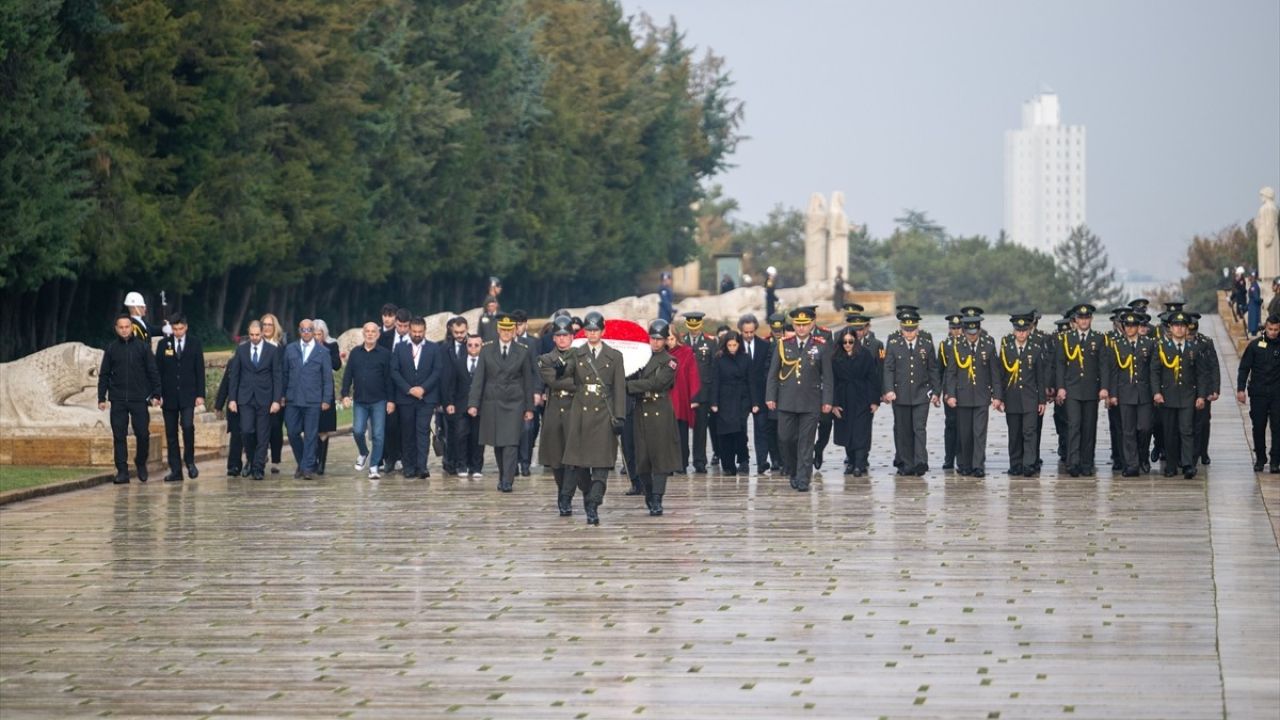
pixel 1117 467
pixel 903 472
pixel 121 478
pixel 297 474
pixel 1257 467
pixel 1155 455
pixel 1015 470
pixel 1204 460
pixel 142 476
pixel 922 470
pixel 593 517
pixel 964 472
pixel 524 470
pixel 700 470
pixel 948 466
pixel 233 472
pixel 257 476
pixel 979 473
pixel 193 472
pixel 1170 472
pixel 817 461
pixel 307 475
pixel 795 485
pixel 1089 471
pixel 762 469
pixel 857 472
pixel 1073 471
pixel 802 487
pixel 1189 472
pixel 634 491
pixel 1275 468
pixel 173 477
pixel 247 472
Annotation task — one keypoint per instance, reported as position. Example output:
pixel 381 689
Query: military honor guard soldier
pixel 1258 380
pixel 800 388
pixel 656 441
pixel 555 418
pixel 1179 385
pixel 597 415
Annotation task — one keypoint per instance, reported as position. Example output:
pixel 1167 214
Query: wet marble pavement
pixel 869 597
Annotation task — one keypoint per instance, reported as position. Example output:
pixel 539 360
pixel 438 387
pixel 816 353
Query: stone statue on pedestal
pixel 1268 242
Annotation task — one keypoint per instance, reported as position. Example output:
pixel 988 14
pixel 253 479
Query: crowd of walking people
pixel 697 401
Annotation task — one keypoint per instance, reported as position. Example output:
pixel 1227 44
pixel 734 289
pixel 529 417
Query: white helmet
pixel 746 279
pixel 1239 269
pixel 134 299
pixel 771 270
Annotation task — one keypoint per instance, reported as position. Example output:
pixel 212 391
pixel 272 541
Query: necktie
pixel 179 349
pixel 471 366
pixel 504 352
pixel 750 354
pixel 595 353
pixel 255 354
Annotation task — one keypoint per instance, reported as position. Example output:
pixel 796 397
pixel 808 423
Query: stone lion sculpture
pixel 35 390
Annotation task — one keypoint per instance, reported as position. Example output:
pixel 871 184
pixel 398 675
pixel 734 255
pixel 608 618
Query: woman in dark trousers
pixel 328 418
pixel 733 401
pixel 857 396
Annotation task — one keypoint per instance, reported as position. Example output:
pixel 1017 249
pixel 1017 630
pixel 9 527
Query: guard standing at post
pixel 656 440
pixel 597 416
pixel 555 418
pixel 1260 375
pixel 800 388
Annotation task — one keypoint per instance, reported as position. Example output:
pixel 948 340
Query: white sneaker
pixel 373 473
pixel 477 474
pixel 398 466
pixel 360 461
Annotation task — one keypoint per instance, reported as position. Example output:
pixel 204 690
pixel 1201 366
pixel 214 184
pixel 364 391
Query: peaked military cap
pixel 803 315
pixel 857 320
pixel 1139 303
pixel 971 323
pixel 1062 322
pixel 1084 310
pixel 907 308
pixel 693 320
pixel 971 311
pixel 1131 317
pixel 909 319
pixel 1174 306
pixel 1178 317
pixel 505 321
pixel 954 320
pixel 1022 322
pixel 852 307
pixel 777 321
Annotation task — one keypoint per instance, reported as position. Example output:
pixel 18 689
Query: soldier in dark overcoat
pixel 1180 385
pixel 657 439
pixel 502 397
pixel 1082 380
pixel 1130 357
pixel 1021 377
pixel 911 383
pixel 970 385
pixel 555 417
pixel 597 415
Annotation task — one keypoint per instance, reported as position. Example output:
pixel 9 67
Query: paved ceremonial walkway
pixel 871 597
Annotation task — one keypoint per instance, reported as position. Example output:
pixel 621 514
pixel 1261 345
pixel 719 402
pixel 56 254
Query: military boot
pixel 655 508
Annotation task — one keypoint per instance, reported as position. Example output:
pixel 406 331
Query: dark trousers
pixel 1203 420
pixel 824 435
pixel 566 483
pixel 391 453
pixel 1264 409
pixel 506 456
pixel 714 434
pixel 1115 428
pixel 760 437
pixel 1157 433
pixel 700 421
pixel 656 483
pixel 771 435
pixel 592 484
pixel 682 429
pixel 733 452
pixel 277 436
pixel 1040 433
pixel 1179 436
pixel 796 435
pixel 236 460
pixel 474 450
pixel 123 413
pixel 455 449
pixel 629 443
pixel 1023 448
pixel 1082 432
pixel 528 437
pixel 186 417
pixel 415 435
pixel 304 424
pixel 971 436
pixel 255 427
pixel 1060 428
pixel 910 423
pixel 1135 435
pixel 950 435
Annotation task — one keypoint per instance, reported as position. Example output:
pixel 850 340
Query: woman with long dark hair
pixel 857 396
pixel 733 400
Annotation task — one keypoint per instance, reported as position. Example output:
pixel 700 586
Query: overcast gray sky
pixel 905 104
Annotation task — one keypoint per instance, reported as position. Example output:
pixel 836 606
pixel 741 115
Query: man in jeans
pixel 369 371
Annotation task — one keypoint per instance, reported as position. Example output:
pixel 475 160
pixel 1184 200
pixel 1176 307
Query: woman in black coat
pixel 733 400
pixel 857 396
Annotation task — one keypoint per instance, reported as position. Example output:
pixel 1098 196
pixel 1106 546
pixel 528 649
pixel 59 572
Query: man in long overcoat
pixel 555 416
pixel 598 413
pixel 657 440
pixel 502 396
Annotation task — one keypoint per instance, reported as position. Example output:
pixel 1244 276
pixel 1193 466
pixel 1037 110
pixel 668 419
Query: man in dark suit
pixel 387 333
pixel 180 360
pixel 398 336
pixel 454 388
pixel 415 370
pixel 502 396
pixel 255 390
pixel 470 453
pixel 757 351
pixel 307 379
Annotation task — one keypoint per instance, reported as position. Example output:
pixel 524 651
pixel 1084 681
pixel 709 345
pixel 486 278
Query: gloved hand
pixel 618 425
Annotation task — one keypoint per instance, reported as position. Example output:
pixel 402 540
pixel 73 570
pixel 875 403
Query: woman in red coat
pixel 687 386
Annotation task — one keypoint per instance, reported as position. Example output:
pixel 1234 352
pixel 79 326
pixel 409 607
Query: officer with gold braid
pixel 1180 385
pixel 911 383
pixel 800 387
pixel 1082 380
pixel 1021 376
pixel 1130 358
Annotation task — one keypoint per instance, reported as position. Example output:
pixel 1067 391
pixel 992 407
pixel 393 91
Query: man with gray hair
pixel 368 373
pixel 307 379
pixel 757 352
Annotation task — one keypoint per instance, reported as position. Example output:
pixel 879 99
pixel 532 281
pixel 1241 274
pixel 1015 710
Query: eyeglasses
pixel 846 342
pixel 306 329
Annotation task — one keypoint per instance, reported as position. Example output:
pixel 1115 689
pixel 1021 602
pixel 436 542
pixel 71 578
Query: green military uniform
pixel 555 416
pixel 911 374
pixel 971 379
pixel 704 350
pixel 657 439
pixel 1021 377
pixel 1209 354
pixel 950 431
pixel 1082 374
pixel 599 406
pixel 800 383
pixel 502 392
pixel 1131 392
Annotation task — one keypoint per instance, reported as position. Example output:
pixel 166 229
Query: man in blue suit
pixel 307 375
pixel 253 387
pixel 416 370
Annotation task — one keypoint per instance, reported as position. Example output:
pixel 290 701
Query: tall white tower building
pixel 1044 173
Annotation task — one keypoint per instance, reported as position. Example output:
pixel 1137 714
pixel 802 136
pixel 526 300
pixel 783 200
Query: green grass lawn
pixel 13 477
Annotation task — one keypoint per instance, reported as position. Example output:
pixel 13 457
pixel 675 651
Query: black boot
pixel 593 518
pixel 655 507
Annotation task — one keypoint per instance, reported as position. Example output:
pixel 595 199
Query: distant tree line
pixel 313 157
